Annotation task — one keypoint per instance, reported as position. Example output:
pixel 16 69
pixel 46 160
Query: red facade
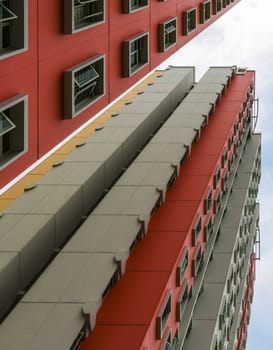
pixel 38 71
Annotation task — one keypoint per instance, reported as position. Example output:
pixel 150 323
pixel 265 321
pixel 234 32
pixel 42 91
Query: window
pixel 167 341
pixel 224 157
pixel 226 3
pixel 217 176
pixel 196 229
pixel 167 34
pixel 217 6
pixel 134 5
pixel 189 21
pixel 13 27
pixel 208 201
pixel 204 11
pixel 225 181
pixel 197 260
pixel 175 339
pixel 182 301
pixel 163 316
pixel 83 85
pixel 181 268
pixel 13 129
pixel 217 202
pixel 82 14
pixel 135 54
pixel 208 227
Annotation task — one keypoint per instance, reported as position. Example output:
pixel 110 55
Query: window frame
pixel 160 322
pixel 182 267
pixel 182 301
pixel 186 27
pixel 197 260
pixel 19 133
pixel 127 68
pixel 162 46
pixel 70 26
pixel 217 202
pixel 128 8
pixel 216 176
pixel 208 201
pixel 216 9
pixel 18 40
pixel 197 229
pixel 208 229
pixel 167 340
pixel 203 17
pixel 71 110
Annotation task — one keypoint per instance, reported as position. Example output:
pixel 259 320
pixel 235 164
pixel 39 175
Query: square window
pixel 82 14
pixel 182 301
pixel 208 228
pixel 134 5
pixel 224 157
pixel 217 202
pixel 225 181
pixel 217 177
pixel 167 341
pixel 13 27
pixel 163 315
pixel 166 34
pixel 217 6
pixel 197 260
pixel 83 85
pixel 182 267
pixel 189 21
pixel 135 54
pixel 208 201
pixel 13 129
pixel 205 11
pixel 196 229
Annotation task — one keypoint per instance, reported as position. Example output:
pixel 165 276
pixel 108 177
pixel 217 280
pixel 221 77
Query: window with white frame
pixel 197 260
pixel 189 21
pixel 205 11
pixel 224 157
pixel 217 6
pixel 182 301
pixel 163 315
pixel 208 201
pixel 134 5
pixel 217 202
pixel 182 267
pixel 83 85
pixel 167 341
pixel 167 34
pixel 135 53
pixel 196 230
pixel 208 229
pixel 82 14
pixel 13 27
pixel 13 129
pixel 216 177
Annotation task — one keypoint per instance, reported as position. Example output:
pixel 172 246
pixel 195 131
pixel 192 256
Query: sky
pixel 244 37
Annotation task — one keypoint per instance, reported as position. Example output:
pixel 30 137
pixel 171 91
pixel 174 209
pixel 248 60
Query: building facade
pixel 166 259
pixel 57 74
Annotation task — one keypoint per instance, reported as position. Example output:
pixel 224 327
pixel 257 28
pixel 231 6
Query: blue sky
pixel 244 37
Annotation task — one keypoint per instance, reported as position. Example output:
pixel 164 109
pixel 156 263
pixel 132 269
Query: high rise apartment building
pixel 61 62
pixel 152 222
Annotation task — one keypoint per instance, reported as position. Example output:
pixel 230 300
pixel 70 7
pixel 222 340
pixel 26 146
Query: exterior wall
pixel 122 275
pixel 230 127
pixel 39 70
